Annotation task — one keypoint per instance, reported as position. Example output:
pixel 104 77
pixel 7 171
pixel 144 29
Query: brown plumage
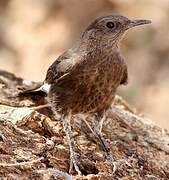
pixel 90 86
pixel 85 78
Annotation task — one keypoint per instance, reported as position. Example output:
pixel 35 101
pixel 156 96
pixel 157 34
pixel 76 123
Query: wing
pixel 61 66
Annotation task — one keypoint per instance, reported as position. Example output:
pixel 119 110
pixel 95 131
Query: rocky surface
pixel 33 145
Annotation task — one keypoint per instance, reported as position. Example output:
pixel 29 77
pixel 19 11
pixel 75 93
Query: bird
pixel 85 78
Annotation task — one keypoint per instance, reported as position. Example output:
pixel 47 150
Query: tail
pixel 41 90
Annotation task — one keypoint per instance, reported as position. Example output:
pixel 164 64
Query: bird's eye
pixel 110 25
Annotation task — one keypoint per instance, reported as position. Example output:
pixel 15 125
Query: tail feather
pixel 41 90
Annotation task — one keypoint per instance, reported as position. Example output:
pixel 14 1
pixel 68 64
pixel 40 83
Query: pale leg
pixel 97 132
pixel 68 131
pixel 98 124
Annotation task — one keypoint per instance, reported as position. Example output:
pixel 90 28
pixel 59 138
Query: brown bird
pixel 84 79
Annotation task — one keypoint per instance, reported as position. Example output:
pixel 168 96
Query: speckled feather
pixel 85 79
pixel 89 88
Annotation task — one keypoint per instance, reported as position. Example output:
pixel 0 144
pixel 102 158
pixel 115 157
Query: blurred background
pixel 34 32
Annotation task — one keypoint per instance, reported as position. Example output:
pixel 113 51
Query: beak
pixel 138 22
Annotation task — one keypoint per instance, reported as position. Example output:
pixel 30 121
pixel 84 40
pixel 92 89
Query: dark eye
pixel 110 25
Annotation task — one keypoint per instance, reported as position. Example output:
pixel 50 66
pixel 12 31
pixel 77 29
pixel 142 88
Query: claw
pixel 73 163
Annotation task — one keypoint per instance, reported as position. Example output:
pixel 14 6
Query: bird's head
pixel 110 28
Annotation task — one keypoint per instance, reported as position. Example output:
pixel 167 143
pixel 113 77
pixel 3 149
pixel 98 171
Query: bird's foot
pixel 108 157
pixel 74 163
pixel 118 164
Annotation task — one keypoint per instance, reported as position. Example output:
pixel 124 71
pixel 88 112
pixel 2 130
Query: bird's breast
pixel 98 87
pixel 89 89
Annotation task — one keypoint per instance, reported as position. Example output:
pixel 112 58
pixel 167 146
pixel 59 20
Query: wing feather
pixel 60 67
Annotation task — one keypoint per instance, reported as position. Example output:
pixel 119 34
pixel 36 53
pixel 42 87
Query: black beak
pixel 138 22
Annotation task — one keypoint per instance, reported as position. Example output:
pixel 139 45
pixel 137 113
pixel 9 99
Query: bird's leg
pixel 67 127
pixel 102 119
pixel 98 131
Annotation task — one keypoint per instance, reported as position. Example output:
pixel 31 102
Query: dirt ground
pixel 33 144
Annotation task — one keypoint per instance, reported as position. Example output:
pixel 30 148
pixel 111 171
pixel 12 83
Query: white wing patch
pixel 45 87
